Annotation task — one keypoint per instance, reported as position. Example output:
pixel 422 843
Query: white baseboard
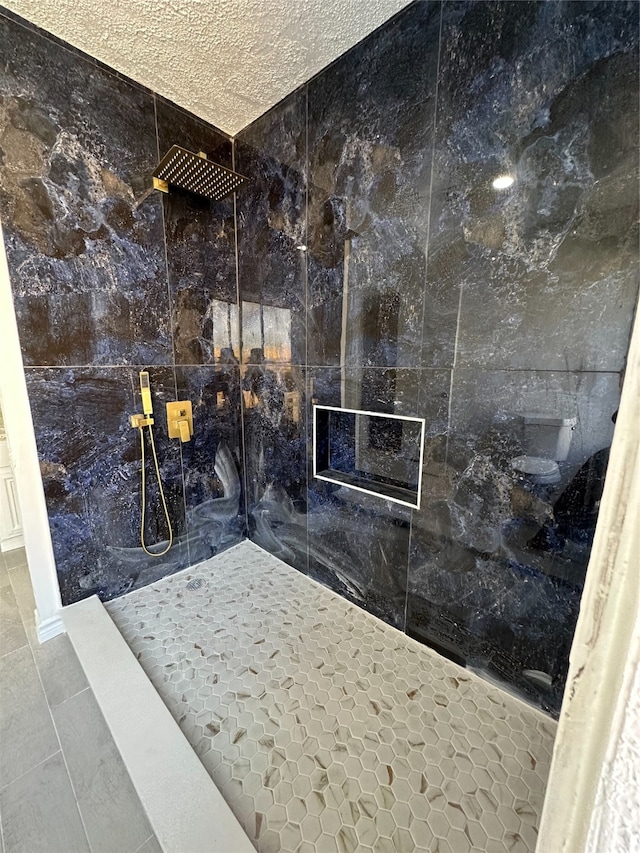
pixel 12 543
pixel 49 628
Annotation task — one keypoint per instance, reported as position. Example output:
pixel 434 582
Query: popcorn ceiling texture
pixel 227 62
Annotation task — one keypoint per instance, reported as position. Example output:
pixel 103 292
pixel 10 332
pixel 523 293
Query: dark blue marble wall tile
pixel 201 252
pixel 359 543
pixel 370 149
pixel 212 460
pixel 545 93
pixel 498 562
pixel 276 459
pixel 84 240
pixel 500 617
pixel 271 212
pixel 90 459
pixel 485 399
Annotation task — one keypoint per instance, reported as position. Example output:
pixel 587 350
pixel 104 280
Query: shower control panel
pixel 180 420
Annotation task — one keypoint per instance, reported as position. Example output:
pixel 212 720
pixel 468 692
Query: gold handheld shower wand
pixel 140 422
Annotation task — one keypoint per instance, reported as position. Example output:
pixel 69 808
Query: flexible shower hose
pixel 144 498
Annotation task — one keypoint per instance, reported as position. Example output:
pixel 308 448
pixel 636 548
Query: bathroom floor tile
pixel 60 670
pixel 27 734
pixel 39 812
pixel 150 846
pixel 21 584
pixel 113 816
pixel 12 634
pixel 20 581
pixel 14 559
pixel 326 728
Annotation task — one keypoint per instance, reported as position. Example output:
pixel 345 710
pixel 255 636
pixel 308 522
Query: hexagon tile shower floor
pixel 325 729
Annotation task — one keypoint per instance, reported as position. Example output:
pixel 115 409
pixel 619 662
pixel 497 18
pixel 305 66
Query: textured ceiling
pixel 227 61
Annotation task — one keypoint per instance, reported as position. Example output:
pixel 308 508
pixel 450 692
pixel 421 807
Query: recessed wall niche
pixel 379 454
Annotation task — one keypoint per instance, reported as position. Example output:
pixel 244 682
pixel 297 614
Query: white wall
pixel 24 456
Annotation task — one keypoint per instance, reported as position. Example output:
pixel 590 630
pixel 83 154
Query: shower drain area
pixel 325 729
pixel 196 585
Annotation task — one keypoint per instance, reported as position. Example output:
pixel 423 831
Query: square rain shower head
pixel 193 172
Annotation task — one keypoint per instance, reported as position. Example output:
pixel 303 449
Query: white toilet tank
pixel 548 436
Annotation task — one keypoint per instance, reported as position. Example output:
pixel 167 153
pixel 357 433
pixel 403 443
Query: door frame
pixel 26 466
pixel 605 649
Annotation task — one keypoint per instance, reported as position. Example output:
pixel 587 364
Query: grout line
pixel 69 698
pixel 146 841
pixel 332 366
pixel 412 512
pixel 243 453
pixel 130 366
pixel 433 158
pixel 55 728
pixel 35 766
pixel 10 569
pixel 308 440
pixel 27 645
pixel 64 758
pixel 453 370
pixel 172 364
pixel 61 750
pixel 305 254
pixel 386 626
pixel 25 626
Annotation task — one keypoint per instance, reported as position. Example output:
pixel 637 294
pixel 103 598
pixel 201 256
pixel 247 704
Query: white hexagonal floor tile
pixel 327 730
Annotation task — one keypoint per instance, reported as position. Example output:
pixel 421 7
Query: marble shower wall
pixel 376 268
pixel 109 277
pixel 379 269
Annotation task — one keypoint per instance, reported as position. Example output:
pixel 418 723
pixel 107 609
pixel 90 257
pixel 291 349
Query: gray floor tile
pixel 26 729
pixel 60 670
pixel 21 584
pixel 112 813
pixel 17 557
pixel 4 579
pixel 151 846
pixel 40 814
pixel 12 633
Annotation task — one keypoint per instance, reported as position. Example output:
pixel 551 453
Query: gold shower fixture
pixel 180 420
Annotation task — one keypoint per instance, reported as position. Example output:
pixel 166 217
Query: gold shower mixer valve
pixel 180 420
pixel 139 421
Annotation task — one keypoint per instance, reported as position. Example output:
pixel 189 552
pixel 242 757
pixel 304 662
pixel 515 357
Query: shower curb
pixel 184 807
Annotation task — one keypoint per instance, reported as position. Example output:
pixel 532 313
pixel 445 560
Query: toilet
pixel 546 442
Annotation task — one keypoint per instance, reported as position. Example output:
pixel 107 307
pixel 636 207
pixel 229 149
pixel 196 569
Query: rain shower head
pixel 193 172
